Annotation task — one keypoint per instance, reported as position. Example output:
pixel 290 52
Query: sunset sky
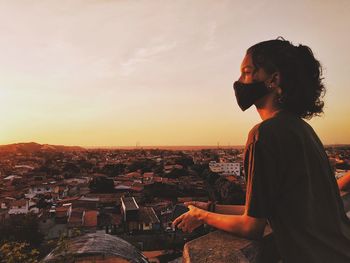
pixel 117 73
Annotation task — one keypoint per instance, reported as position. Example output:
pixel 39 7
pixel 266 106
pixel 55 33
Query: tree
pixel 229 193
pixel 144 165
pixel 114 169
pixel 158 169
pixel 22 228
pixel 42 203
pixel 85 165
pixel 210 177
pixel 199 169
pixel 175 173
pixel 102 184
pixel 185 161
pixel 18 252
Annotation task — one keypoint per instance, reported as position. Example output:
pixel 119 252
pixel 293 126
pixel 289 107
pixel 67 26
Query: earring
pixel 280 99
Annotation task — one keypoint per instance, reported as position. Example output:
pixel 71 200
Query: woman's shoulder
pixel 279 125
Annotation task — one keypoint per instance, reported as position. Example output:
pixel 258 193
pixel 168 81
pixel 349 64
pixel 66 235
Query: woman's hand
pixel 201 205
pixel 190 220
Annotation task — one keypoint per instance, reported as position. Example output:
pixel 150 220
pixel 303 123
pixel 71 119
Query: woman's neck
pixel 267 113
pixel 267 106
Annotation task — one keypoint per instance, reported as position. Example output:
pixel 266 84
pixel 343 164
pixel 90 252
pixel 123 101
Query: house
pixel 148 219
pixel 90 219
pixel 41 189
pixel 107 200
pixel 19 207
pixel 147 178
pixel 138 218
pixel 122 187
pixel 130 213
pixel 5 202
pixel 225 168
pixel 109 221
pixel 62 213
pixel 75 219
pixel 48 226
pixel 12 177
pixel 87 202
pixel 168 168
pixel 133 175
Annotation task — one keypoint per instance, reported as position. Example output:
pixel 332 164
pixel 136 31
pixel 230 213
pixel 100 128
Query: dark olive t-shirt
pixel 291 183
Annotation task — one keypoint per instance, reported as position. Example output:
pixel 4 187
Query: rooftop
pixel 98 246
pixel 130 203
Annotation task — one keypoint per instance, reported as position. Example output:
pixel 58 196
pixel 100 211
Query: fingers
pixel 191 207
pixel 190 203
pixel 180 223
pixel 177 220
pixel 182 226
pixel 186 222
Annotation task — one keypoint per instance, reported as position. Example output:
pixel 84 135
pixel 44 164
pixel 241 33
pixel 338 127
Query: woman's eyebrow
pixel 249 67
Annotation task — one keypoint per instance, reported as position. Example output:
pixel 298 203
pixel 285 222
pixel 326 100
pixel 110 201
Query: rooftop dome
pixel 97 246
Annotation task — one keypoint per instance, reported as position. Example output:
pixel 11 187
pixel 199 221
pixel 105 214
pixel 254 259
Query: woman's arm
pixel 230 209
pixel 220 209
pixel 241 225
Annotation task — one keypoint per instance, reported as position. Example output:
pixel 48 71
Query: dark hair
pixel 301 81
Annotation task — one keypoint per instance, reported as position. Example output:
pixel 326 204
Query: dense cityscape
pixel 50 195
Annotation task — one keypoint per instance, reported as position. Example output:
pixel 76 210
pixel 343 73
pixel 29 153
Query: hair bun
pixel 308 61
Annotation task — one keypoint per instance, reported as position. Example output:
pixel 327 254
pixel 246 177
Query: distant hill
pixel 174 148
pixel 36 147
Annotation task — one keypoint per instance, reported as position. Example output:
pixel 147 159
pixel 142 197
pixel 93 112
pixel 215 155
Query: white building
pixel 19 207
pixel 41 189
pixel 225 168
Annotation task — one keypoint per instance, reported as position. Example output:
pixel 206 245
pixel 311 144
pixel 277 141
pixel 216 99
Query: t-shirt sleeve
pixel 261 179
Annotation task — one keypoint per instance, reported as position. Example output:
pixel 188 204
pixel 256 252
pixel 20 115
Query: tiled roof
pixel 62 209
pixel 68 200
pixel 130 203
pixel 21 202
pixel 147 215
pixel 90 218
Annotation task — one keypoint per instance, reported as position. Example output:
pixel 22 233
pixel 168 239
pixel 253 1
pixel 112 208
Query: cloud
pixel 211 43
pixel 144 54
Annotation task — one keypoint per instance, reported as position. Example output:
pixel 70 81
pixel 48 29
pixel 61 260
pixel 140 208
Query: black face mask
pixel 247 94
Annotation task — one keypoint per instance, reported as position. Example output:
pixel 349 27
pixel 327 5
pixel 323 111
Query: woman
pixel 290 183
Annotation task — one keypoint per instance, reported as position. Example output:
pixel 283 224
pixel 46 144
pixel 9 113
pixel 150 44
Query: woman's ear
pixel 275 79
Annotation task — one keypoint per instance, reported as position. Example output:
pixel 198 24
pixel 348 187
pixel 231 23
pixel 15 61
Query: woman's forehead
pixel 247 62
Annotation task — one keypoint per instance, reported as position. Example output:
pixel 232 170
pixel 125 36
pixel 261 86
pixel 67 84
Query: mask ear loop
pixel 279 97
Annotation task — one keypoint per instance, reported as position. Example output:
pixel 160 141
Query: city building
pixel 225 168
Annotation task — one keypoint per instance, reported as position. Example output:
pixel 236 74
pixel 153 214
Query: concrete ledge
pixel 223 247
pixel 220 246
